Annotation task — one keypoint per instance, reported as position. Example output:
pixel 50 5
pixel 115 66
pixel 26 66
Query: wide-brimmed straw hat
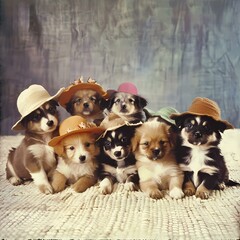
pixel 30 99
pixel 204 107
pixel 164 113
pixel 73 125
pixel 78 84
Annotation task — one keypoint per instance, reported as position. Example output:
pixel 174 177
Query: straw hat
pixel 204 107
pixel 30 99
pixel 128 87
pixel 164 113
pixel 73 125
pixel 78 84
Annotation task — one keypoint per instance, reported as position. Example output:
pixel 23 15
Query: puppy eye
pixel 189 125
pixel 161 142
pixel 93 99
pixel 36 117
pixel 124 140
pixel 117 100
pixel 145 144
pixel 52 110
pixel 78 100
pixel 107 144
pixel 132 101
pixel 72 148
pixel 87 144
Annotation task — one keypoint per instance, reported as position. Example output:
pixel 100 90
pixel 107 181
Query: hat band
pixel 82 125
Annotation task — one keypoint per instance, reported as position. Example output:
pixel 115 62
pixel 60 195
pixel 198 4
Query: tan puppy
pixel 156 164
pixel 77 153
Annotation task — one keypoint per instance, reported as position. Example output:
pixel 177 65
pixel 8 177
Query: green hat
pixel 164 113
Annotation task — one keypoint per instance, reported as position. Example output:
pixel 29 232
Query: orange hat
pixel 72 125
pixel 66 96
pixel 204 107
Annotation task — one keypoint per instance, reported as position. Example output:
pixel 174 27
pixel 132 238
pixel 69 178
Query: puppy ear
pixel 103 103
pixel 142 102
pixel 135 142
pixel 110 101
pixel 179 122
pixel 221 126
pixel 69 107
pixel 58 149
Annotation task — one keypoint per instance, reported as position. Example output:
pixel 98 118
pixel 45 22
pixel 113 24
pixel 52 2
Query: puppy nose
pixel 86 105
pixel 82 158
pixel 123 106
pixel 117 153
pixel 50 123
pixel 197 134
pixel 156 151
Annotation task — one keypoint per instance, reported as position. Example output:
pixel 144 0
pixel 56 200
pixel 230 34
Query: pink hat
pixel 128 87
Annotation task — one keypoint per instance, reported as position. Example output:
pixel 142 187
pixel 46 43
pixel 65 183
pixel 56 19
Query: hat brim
pixel 175 116
pixel 18 126
pixel 66 96
pixel 56 140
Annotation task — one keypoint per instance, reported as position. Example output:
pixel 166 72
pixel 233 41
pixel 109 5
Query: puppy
pixel 77 163
pixel 199 155
pixel 87 103
pixel 117 163
pixel 33 158
pixel 127 106
pixel 156 163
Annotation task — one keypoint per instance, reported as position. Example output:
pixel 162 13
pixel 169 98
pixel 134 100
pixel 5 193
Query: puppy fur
pixel 199 155
pixel 128 106
pixel 33 158
pixel 77 163
pixel 87 103
pixel 156 163
pixel 117 160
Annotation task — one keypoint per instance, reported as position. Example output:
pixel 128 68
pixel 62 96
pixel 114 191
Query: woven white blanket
pixel 28 214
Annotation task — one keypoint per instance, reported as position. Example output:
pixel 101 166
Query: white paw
pixel 45 188
pixel 176 193
pixel 129 186
pixel 106 186
pixel 15 181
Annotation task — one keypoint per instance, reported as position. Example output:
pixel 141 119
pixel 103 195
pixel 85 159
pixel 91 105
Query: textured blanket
pixel 28 214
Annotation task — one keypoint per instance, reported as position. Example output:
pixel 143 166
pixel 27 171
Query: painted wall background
pixel 173 50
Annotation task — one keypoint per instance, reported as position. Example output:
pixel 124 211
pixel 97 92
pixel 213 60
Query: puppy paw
pixel 57 188
pixel 202 192
pixel 45 188
pixel 155 194
pixel 176 193
pixel 189 191
pixel 130 186
pixel 15 181
pixel 106 186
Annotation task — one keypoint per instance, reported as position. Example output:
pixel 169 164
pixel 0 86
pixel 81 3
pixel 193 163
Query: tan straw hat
pixel 73 125
pixel 66 96
pixel 204 107
pixel 30 99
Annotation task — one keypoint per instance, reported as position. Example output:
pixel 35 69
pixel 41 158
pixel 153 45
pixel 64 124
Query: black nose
pixel 86 105
pixel 50 123
pixel 82 158
pixel 124 106
pixel 197 134
pixel 117 153
pixel 156 151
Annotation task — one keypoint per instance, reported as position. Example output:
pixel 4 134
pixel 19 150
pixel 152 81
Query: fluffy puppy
pixel 117 162
pixel 156 164
pixel 77 151
pixel 87 103
pixel 33 158
pixel 199 155
pixel 76 163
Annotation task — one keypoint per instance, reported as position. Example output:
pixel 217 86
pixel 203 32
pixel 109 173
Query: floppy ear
pixel 59 150
pixel 142 102
pixel 103 103
pixel 179 122
pixel 135 141
pixel 69 107
pixel 221 126
pixel 110 101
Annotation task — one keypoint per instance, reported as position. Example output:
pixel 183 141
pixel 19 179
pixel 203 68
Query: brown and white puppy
pixel 77 163
pixel 33 158
pixel 156 164
pixel 87 103
pixel 127 106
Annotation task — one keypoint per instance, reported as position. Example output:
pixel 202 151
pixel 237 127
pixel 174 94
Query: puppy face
pixel 126 104
pixel 84 103
pixel 152 140
pixel 42 120
pixel 78 148
pixel 117 143
pixel 199 130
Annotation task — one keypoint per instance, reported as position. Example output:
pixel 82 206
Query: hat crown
pixel 128 87
pixel 205 106
pixel 31 98
pixel 74 123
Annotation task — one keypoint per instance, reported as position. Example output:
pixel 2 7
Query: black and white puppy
pixel 33 159
pixel 127 106
pixel 199 155
pixel 117 162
